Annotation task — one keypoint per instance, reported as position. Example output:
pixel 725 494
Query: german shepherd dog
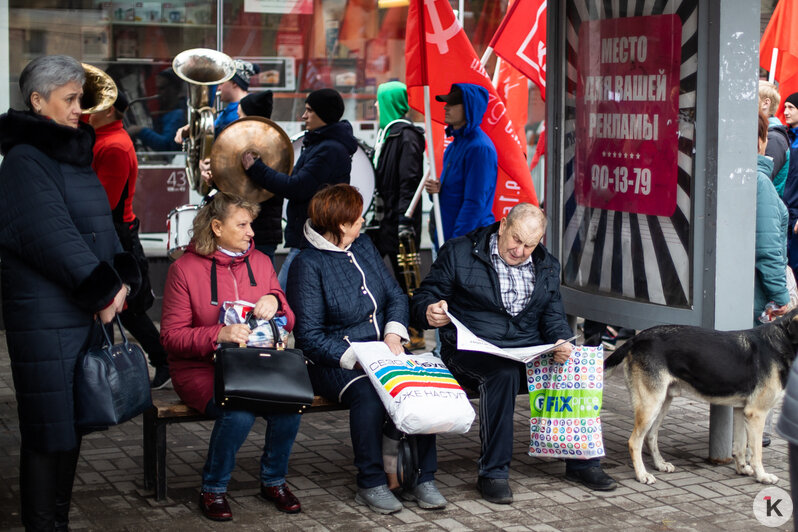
pixel 743 369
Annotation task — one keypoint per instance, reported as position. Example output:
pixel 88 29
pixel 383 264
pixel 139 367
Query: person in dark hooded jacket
pixel 327 150
pixel 470 166
pixel 398 163
pixel 62 266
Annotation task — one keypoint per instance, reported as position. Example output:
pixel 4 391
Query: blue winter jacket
pixel 468 179
pixel 326 159
pixel 228 115
pixel 341 296
pixel 771 241
pixel 162 138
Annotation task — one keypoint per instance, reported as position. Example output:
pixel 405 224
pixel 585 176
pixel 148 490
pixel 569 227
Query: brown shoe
pixel 416 340
pixel 214 506
pixel 281 496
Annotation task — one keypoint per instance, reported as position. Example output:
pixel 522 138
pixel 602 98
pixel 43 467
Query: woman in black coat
pixel 342 292
pixel 62 266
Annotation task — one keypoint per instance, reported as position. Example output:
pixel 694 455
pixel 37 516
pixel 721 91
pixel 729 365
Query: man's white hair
pixel 527 214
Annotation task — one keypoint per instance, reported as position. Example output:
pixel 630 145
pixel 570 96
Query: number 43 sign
pixel 627 114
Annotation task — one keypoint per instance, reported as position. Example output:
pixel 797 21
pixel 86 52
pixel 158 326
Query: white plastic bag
pixel 418 391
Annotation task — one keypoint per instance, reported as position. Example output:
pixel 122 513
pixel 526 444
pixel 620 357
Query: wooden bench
pixel 167 408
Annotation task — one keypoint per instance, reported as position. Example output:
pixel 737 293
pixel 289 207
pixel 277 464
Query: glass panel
pixel 629 138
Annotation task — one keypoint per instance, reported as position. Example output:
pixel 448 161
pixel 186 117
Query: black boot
pixel 45 481
pixel 67 464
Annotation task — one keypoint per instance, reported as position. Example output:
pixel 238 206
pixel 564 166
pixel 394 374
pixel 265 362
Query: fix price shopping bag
pixel 418 391
pixel 565 403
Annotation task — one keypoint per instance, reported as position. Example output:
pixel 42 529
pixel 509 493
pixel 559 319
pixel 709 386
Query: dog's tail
pixel 616 357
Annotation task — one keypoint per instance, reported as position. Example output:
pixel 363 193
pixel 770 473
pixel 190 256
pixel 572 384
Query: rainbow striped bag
pixel 418 391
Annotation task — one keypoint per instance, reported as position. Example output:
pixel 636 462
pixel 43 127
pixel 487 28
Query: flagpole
pixel 433 171
pixel 486 56
pixel 773 60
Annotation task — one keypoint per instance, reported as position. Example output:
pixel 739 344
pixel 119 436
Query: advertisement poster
pixel 627 114
pixel 629 156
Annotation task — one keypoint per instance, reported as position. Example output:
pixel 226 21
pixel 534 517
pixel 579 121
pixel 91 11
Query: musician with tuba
pixel 398 163
pixel 62 267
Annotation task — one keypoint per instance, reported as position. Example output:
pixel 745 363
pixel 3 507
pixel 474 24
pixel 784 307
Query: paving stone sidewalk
pixel 110 495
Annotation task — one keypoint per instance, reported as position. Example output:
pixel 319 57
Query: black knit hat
pixel 792 98
pixel 327 104
pixel 121 104
pixel 257 104
pixel 244 72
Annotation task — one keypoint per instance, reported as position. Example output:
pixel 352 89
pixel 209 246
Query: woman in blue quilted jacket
pixel 341 292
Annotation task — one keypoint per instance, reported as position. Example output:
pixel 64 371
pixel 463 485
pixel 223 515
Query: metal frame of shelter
pixel 697 266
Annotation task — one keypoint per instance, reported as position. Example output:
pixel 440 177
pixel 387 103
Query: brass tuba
pixel 200 67
pixel 99 90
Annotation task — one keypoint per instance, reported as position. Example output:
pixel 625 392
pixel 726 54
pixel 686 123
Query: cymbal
pixel 255 134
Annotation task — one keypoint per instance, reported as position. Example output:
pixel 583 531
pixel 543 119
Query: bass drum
pixel 362 176
pixel 179 226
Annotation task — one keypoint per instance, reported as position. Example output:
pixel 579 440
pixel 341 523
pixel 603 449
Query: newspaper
pixel 468 341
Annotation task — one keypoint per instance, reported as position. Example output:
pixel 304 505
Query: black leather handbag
pixel 112 384
pixel 262 380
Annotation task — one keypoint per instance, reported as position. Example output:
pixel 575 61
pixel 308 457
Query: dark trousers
pixel 498 381
pixel 366 418
pixel 135 318
pixel 45 481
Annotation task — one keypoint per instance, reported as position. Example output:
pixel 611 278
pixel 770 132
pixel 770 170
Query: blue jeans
pixel 282 277
pixel 230 431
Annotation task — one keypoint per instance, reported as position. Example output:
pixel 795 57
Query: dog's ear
pixel 792 326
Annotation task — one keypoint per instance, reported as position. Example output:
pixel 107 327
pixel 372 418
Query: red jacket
pixel 190 323
pixel 116 166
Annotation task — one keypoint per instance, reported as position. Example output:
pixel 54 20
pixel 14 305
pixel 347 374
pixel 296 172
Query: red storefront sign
pixel 627 114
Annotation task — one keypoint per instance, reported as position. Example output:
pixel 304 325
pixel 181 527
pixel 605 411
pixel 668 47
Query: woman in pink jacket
pixel 221 264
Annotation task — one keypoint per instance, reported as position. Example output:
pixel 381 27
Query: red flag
pixel 780 34
pixel 521 40
pixel 436 43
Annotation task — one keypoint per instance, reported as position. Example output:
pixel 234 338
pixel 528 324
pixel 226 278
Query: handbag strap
pixel 407 466
pixel 108 338
pixel 278 342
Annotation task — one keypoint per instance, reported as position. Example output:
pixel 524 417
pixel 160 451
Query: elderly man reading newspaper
pixel 503 285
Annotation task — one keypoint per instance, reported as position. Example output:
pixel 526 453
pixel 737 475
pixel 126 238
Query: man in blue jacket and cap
pixel 468 178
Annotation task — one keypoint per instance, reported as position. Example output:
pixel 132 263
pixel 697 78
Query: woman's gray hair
pixel 47 73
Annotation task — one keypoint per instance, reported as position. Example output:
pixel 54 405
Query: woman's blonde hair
pixel 769 90
pixel 218 208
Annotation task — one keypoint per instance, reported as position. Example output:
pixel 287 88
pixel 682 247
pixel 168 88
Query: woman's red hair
pixel 334 206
